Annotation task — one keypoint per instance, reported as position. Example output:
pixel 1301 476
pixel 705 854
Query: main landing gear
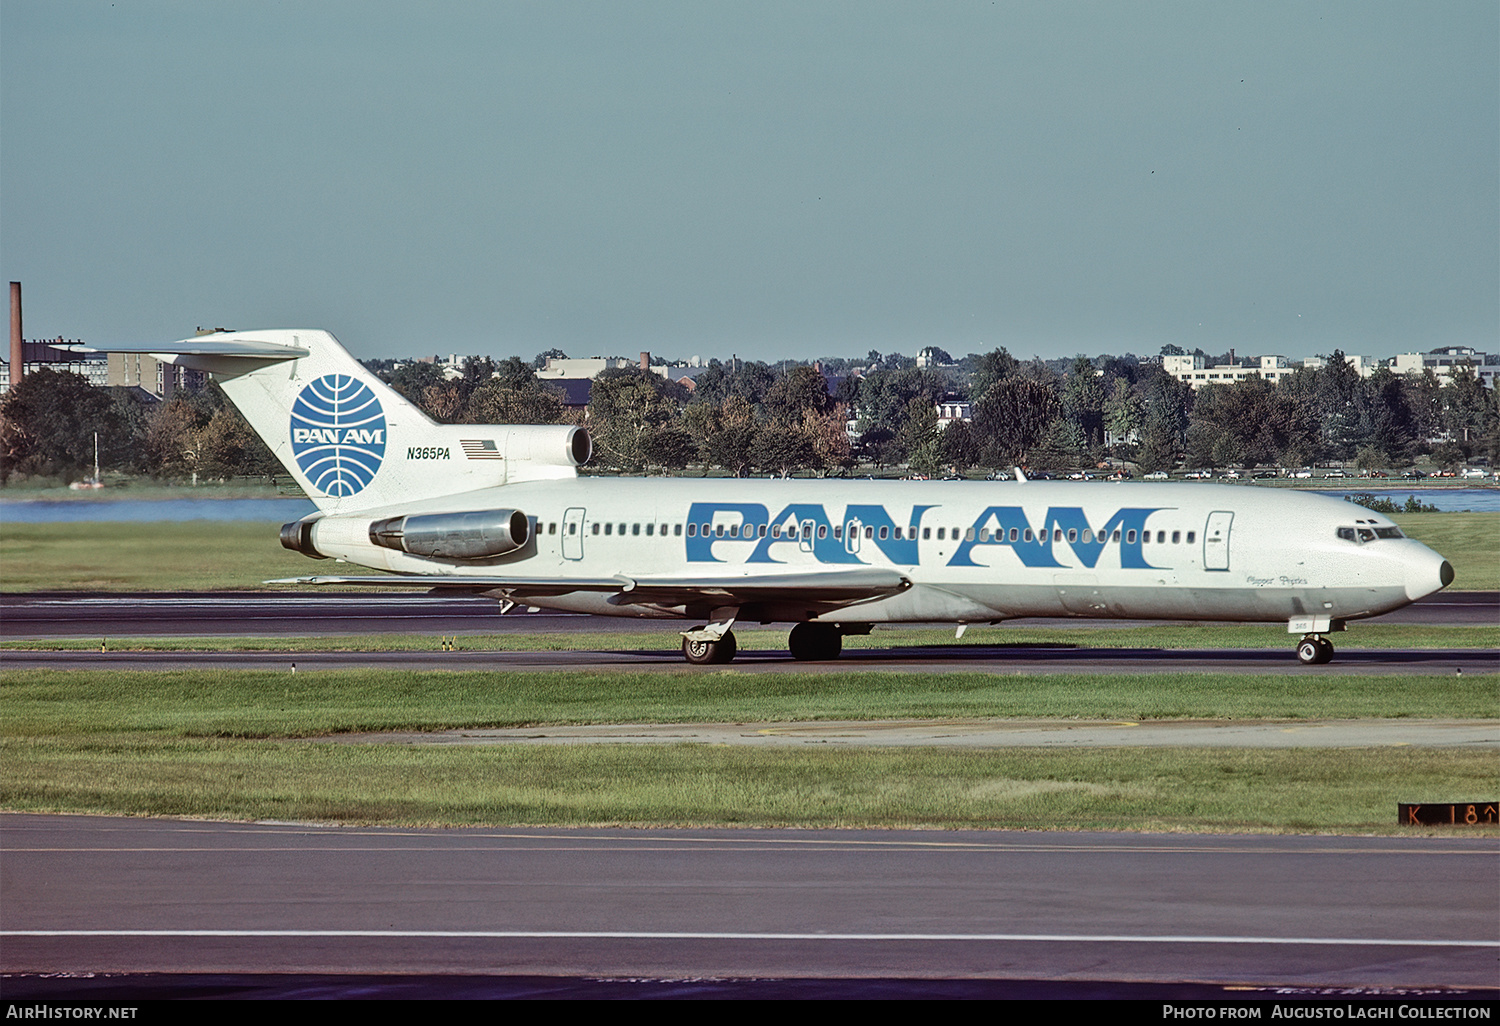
pixel 712 643
pixel 815 642
pixel 1314 650
pixel 708 644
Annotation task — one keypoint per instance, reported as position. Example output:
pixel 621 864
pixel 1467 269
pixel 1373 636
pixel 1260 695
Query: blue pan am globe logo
pixel 338 434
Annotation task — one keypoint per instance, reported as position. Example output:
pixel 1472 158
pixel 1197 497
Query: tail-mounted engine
pixel 453 535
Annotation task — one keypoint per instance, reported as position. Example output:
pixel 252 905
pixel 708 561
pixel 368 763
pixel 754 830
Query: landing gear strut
pixel 815 642
pixel 1314 650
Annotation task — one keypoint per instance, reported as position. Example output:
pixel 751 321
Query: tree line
pixel 747 417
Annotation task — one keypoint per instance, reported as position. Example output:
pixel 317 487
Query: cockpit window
pixel 1388 532
pixel 1347 533
pixel 1366 535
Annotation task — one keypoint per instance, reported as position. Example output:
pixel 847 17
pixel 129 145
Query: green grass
pixel 211 556
pixel 224 744
pixel 1470 541
pixel 1113 789
pixel 666 638
pixel 193 555
pixel 181 704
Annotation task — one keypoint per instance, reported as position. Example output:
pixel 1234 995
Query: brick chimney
pixel 17 355
pixel 645 361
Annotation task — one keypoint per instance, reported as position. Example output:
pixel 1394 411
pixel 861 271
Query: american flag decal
pixel 480 449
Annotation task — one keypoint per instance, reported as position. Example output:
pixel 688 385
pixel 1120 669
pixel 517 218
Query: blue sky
pixel 764 179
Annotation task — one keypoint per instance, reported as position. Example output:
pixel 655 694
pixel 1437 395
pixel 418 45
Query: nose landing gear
pixel 1314 650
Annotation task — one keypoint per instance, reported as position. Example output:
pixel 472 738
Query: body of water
pixel 65 511
pixel 1479 500
pixel 1449 500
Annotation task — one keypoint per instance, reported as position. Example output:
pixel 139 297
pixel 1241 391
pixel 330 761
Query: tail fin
pixel 350 440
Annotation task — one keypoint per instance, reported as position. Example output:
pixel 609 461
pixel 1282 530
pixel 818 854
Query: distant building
pixel 1194 370
pixel 49 355
pixel 1444 362
pixel 141 370
pixel 1362 365
pixel 951 410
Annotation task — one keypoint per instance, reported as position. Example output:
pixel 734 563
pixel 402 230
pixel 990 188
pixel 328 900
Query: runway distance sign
pixel 1448 814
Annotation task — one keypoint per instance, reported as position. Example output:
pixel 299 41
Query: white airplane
pixel 500 510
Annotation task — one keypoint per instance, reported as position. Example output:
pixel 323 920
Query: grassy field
pixel 234 556
pixel 663 637
pixel 1470 541
pixel 224 745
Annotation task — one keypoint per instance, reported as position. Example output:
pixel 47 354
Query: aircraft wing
pixel 835 587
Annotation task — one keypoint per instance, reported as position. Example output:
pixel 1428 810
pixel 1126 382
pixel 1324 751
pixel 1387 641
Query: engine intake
pixel 454 535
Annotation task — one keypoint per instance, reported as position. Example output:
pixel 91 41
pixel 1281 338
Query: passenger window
pixel 927 533
pixel 1191 536
pixel 635 529
pixel 898 533
pixel 969 534
pixel 692 530
pixel 1057 535
pixel 572 528
pixel 1129 537
pixel 1161 537
pixel 1116 536
pixel 551 528
pixel 677 530
pixel 1027 534
pixel 1072 534
pixel 1176 537
pixel 609 528
pixel 838 531
pixel 984 534
pixel 942 532
pixel 650 530
pixel 884 533
pixel 1013 533
pixel 869 532
pixel 822 530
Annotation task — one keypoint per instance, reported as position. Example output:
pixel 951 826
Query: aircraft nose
pixel 1427 572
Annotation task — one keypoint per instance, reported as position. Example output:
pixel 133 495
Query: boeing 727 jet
pixel 500 510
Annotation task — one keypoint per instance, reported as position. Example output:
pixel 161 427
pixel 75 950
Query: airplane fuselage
pixel 972 551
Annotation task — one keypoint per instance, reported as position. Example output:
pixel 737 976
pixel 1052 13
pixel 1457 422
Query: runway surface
pixel 923 659
pixel 133 895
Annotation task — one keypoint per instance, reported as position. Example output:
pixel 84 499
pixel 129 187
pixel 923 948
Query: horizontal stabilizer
pixel 207 346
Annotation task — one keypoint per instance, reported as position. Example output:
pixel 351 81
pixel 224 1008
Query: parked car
pixel 1303 473
pixel 1335 473
pixel 1230 475
pixel 1476 472
pixel 1199 475
pixel 1158 475
pixel 1263 475
pixel 1412 475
